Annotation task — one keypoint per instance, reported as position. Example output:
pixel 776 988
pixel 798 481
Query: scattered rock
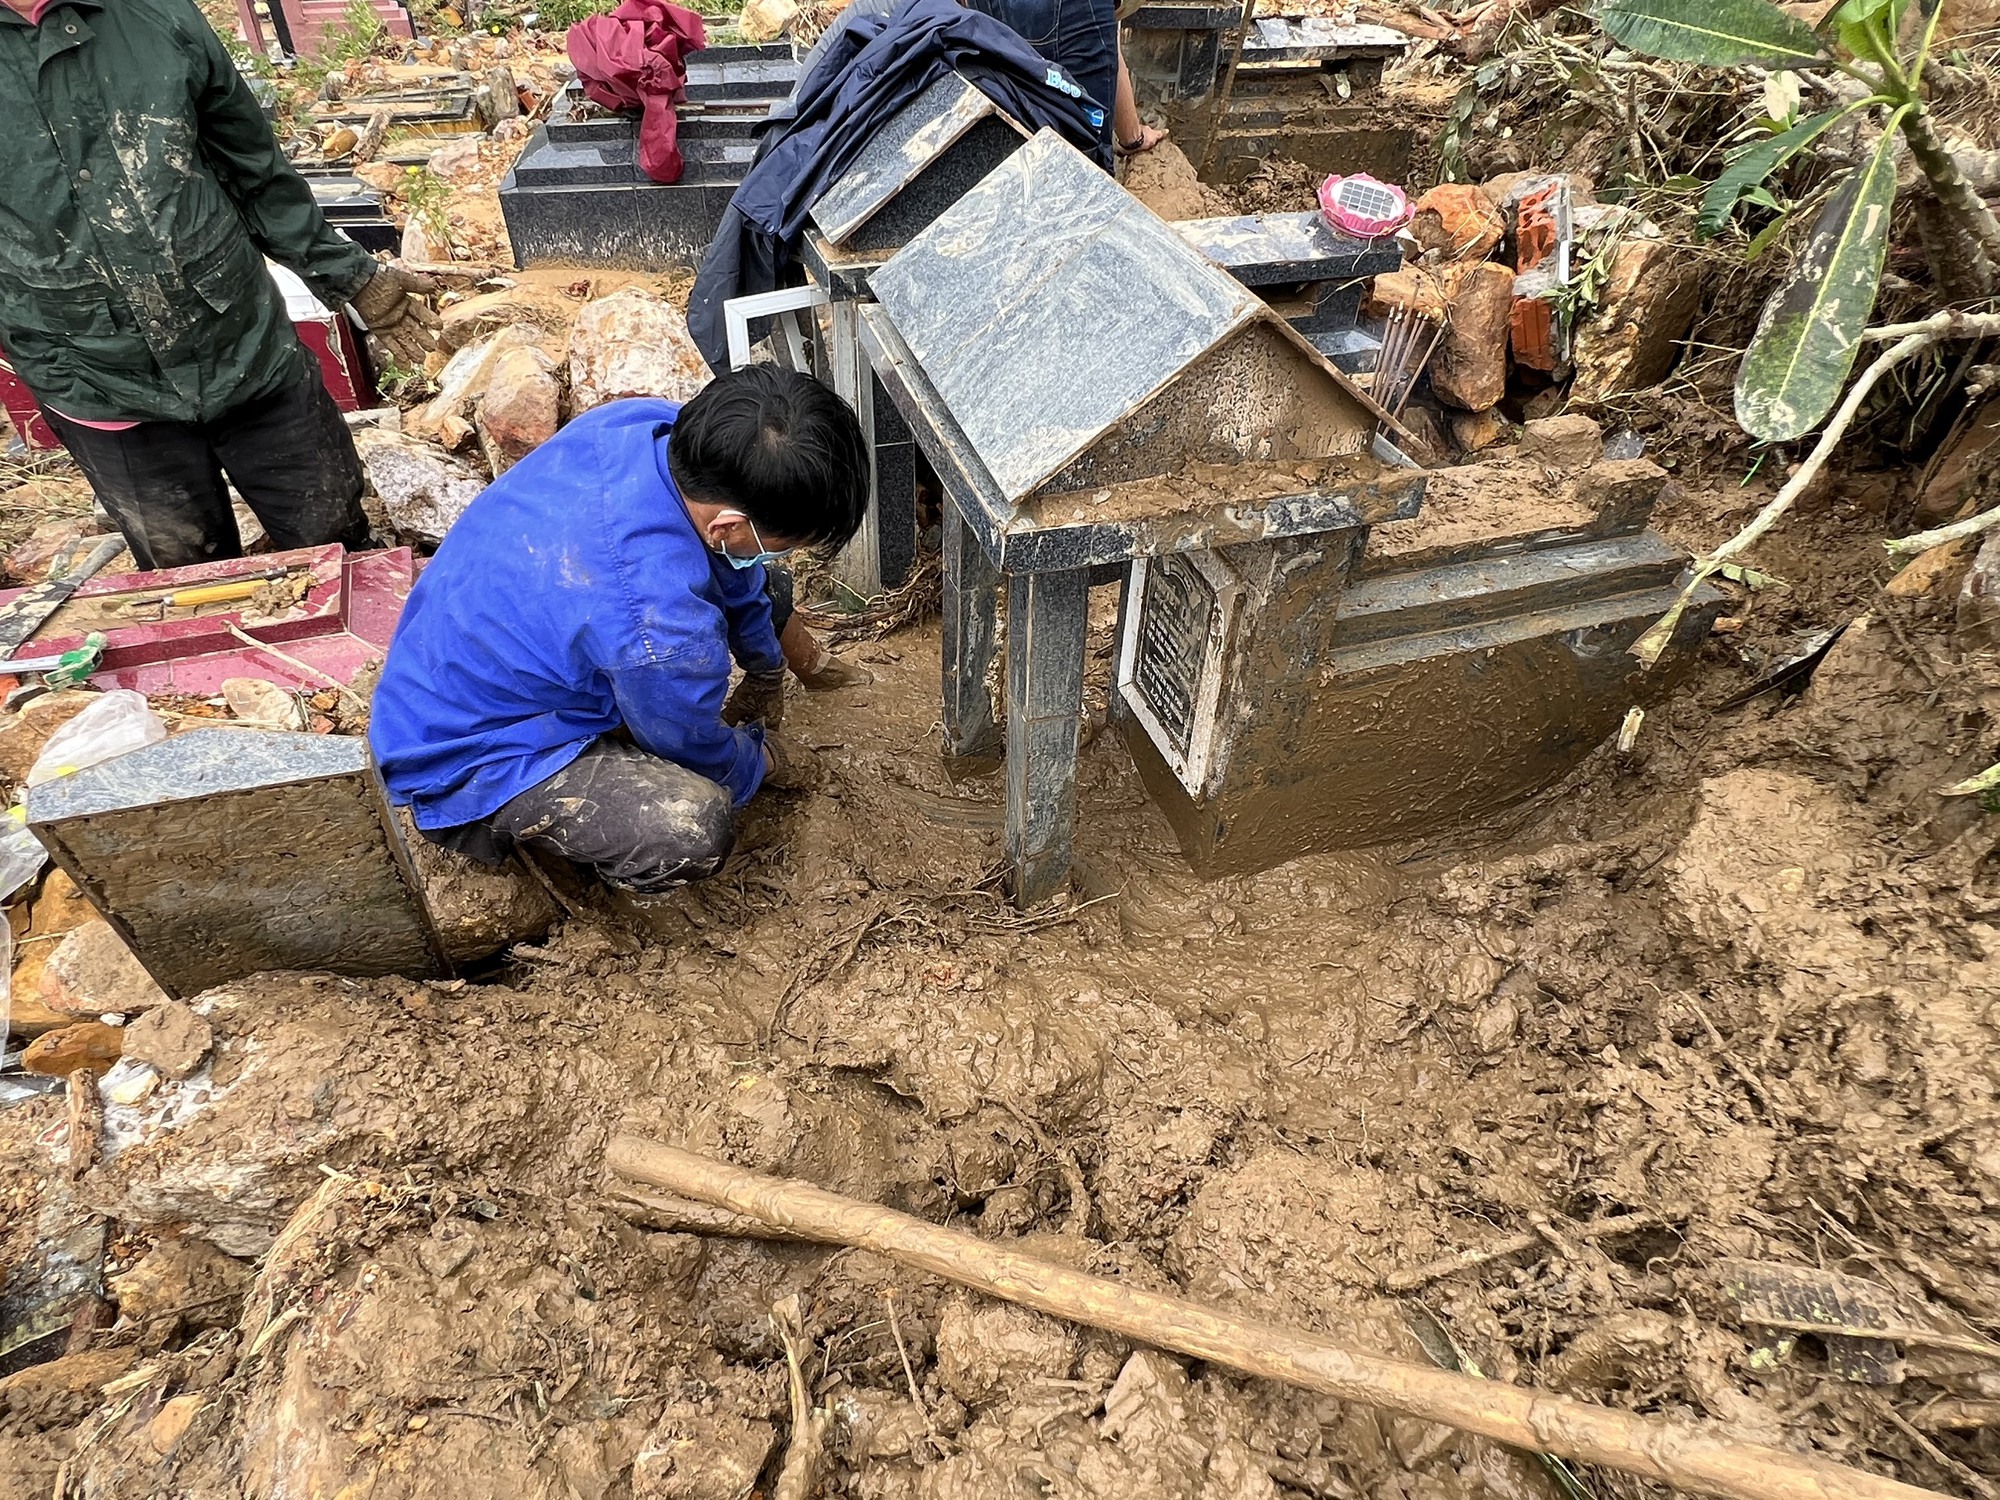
pixel 1476 431
pixel 457 162
pixel 987 1350
pixel 1569 442
pixel 422 489
pixel 1621 492
pixel 186 1278
pixel 1458 221
pixel 87 1044
pixel 447 1250
pixel 170 1422
pixel 697 1455
pixel 460 385
pixel 261 704
pixel 92 973
pixel 23 734
pixel 766 20
pixel 479 318
pixel 1937 573
pixel 520 410
pixel 1648 304
pixel 478 909
pixel 341 143
pixel 632 343
pixel 877 1424
pixel 497 99
pixel 59 907
pixel 417 245
pixel 1469 370
pixel 171 1038
pixel 62 1388
pixel 1496 1023
pixel 29 560
pixel 128 1083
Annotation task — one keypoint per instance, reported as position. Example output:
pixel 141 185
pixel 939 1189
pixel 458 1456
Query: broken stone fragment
pixel 1566 442
pixel 697 1455
pixel 1478 431
pixel 92 973
pixel 632 343
pixel 766 20
pixel 477 909
pixel 259 703
pixel 171 1038
pixel 29 561
pixel 128 1083
pixel 447 1250
pixel 989 1350
pixel 498 97
pixel 422 489
pixel 170 1423
pixel 520 410
pixel 457 162
pixel 463 381
pixel 183 1277
pixel 61 1391
pixel 60 907
pixel 478 318
pixel 1458 221
pixel 1647 306
pixel 88 1044
pixel 1469 370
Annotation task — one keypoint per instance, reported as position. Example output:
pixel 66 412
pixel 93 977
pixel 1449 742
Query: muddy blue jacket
pixel 140 190
pixel 573 598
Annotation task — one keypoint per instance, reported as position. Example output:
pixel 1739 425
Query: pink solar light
pixel 1363 207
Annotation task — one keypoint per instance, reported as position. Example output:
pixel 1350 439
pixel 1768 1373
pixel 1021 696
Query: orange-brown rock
pixel 1469 370
pixel 87 1044
pixel 1457 221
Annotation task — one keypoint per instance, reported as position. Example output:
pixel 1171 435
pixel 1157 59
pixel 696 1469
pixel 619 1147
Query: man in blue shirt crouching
pixel 559 675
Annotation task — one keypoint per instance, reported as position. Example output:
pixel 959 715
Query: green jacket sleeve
pixel 283 218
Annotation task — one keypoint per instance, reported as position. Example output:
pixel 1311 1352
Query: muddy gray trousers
pixel 641 824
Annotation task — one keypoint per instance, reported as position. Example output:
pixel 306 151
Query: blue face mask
pixel 764 554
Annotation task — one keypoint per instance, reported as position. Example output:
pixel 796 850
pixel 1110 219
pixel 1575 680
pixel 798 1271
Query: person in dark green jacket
pixel 141 192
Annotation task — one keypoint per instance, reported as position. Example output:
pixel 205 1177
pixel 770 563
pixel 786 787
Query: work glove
pixel 793 768
pixel 399 320
pixel 759 697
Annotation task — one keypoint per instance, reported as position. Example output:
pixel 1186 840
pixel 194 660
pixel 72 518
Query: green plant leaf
pixel 1768 233
pixel 1811 329
pixel 1752 166
pixel 1859 11
pixel 1719 33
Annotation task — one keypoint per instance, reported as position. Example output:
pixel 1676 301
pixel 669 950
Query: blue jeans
pixel 1081 36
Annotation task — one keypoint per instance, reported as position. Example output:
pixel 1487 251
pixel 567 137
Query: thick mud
pixel 1733 990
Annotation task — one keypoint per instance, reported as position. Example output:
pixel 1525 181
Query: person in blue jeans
pixel 559 679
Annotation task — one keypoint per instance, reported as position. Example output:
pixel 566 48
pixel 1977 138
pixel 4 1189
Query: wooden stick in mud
pixel 1701 1457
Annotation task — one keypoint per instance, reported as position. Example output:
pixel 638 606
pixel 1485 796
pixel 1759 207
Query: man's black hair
pixel 778 446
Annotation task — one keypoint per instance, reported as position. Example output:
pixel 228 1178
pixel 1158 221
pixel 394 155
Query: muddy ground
pixel 1738 983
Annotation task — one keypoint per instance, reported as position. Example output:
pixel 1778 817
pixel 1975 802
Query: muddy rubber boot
pixel 830 673
pixel 653 914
